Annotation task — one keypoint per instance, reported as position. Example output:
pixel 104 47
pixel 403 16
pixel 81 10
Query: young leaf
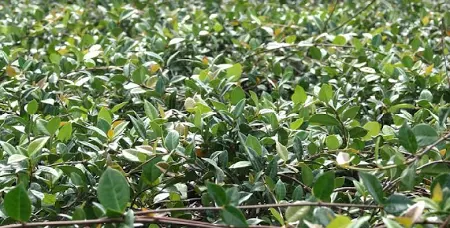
pixel 277 215
pixel 36 145
pixel 53 125
pixel 150 110
pixel 326 93
pixel 339 221
pixel 65 132
pixel 296 213
pixel 282 151
pixel 32 107
pixel 234 72
pixel 172 140
pixel 113 191
pixel 299 96
pixel 253 143
pixel 17 204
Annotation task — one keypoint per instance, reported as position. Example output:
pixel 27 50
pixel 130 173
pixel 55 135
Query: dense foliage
pixel 271 113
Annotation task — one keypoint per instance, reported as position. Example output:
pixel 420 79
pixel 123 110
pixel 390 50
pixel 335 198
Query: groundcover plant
pixel 189 113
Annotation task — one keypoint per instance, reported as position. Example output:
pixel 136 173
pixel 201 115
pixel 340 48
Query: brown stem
pixel 443 50
pixel 314 204
pixel 329 17
pixel 354 16
pixel 166 220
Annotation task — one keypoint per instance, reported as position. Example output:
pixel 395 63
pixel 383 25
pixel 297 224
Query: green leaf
pixel 172 140
pixel 36 145
pixel 233 216
pixel 32 107
pixel 324 186
pixel 390 223
pixel 333 142
pixel 65 132
pixel 340 221
pixel 307 175
pixel 105 115
pixel 296 213
pixel 360 222
pixel 408 177
pixel 53 125
pixel 296 124
pixel 280 190
pixel 276 215
pixel 407 61
pixel 240 164
pixel 298 193
pixel 358 132
pixel 425 134
pixel 113 191
pixel 326 93
pixel 9 148
pixel 426 95
pixel 299 96
pixel 138 125
pixel 236 95
pixel 139 75
pixel 315 53
pixel 117 107
pixel 217 193
pixel 150 171
pixel 350 113
pixel 253 143
pixel 428 54
pixel 282 151
pixel 340 40
pixel 397 204
pixel 373 186
pixel 376 41
pixel 238 109
pixel 373 129
pixel 324 119
pixel 17 204
pixel 407 139
pixel 234 72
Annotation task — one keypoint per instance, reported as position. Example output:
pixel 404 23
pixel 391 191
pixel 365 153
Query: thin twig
pixel 166 220
pixel 329 17
pixel 354 16
pixel 433 163
pixel 408 162
pixel 314 204
pixel 443 50
pixel 296 181
pixel 445 223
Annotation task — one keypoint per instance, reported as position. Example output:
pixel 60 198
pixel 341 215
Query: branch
pixel 166 220
pixel 433 163
pixel 354 16
pixel 443 50
pixel 331 15
pixel 410 161
pixel 259 206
